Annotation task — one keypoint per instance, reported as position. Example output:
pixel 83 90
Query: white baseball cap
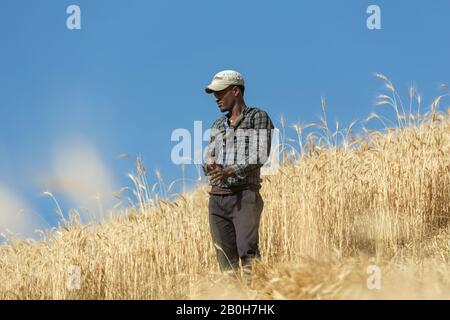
pixel 224 79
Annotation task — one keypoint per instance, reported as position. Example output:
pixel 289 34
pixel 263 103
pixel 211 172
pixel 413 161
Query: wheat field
pixel 376 199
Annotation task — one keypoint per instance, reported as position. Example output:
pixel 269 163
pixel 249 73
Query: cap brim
pixel 214 87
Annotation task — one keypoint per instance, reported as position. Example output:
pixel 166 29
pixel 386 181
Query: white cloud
pixel 15 214
pixel 79 172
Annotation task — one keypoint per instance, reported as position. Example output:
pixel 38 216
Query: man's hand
pixel 211 167
pixel 220 174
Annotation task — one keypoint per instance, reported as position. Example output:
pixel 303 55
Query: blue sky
pixel 136 71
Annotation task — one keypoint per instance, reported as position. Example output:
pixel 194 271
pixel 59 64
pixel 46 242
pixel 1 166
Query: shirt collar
pixel 243 113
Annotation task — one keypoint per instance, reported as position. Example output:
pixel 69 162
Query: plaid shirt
pixel 249 154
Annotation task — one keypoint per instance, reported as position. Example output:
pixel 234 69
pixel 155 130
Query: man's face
pixel 226 98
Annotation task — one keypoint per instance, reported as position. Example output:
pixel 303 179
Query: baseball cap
pixel 224 79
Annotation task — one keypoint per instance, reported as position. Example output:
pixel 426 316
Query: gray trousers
pixel 234 223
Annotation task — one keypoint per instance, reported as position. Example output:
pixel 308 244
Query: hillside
pixel 382 200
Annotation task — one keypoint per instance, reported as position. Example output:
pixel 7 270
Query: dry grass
pixel 333 209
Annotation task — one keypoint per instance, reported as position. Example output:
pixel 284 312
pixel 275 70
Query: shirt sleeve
pixel 264 127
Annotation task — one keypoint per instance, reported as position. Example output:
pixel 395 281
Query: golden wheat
pixel 330 211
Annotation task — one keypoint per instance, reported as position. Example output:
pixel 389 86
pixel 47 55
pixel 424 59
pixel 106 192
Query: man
pixel 238 147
